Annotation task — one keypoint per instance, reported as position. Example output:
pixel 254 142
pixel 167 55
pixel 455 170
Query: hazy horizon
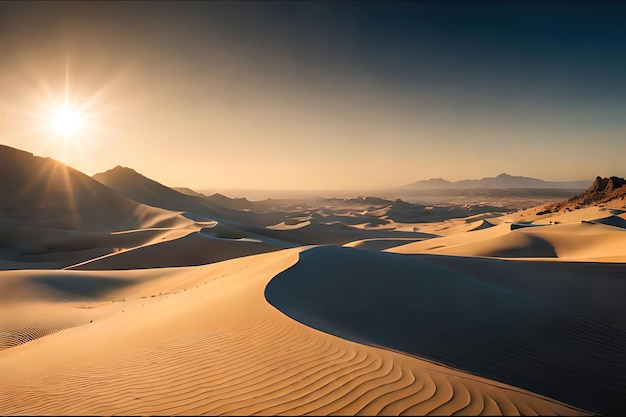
pixel 319 95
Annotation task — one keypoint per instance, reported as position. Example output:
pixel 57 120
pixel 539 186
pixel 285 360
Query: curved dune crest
pixel 452 240
pixel 381 244
pixel 289 226
pixel 613 220
pixel 584 241
pixel 193 249
pixel 214 345
pixel 415 306
pixel 511 245
pixel 485 224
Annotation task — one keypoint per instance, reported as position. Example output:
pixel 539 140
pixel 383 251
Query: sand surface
pixel 205 340
pixel 588 235
pixel 524 333
pixel 125 296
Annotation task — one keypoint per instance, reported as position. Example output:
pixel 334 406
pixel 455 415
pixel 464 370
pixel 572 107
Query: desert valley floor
pixel 119 295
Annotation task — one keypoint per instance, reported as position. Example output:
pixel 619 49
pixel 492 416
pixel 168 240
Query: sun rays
pixel 63 113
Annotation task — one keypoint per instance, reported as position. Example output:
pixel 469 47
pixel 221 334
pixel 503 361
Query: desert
pixel 200 308
pixel 312 208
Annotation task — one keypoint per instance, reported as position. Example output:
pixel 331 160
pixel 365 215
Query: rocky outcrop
pixel 605 185
pixel 602 191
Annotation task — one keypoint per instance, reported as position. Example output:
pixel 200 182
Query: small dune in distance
pixel 121 295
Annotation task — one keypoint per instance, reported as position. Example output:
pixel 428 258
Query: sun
pixel 67 122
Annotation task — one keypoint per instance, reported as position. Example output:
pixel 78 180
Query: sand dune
pixel 289 226
pixel 154 301
pixel 455 226
pixel 570 216
pixel 380 244
pixel 411 305
pixel 456 238
pixel 583 241
pixel 193 249
pixel 208 342
pixel 575 216
pixel 327 234
pixel 484 224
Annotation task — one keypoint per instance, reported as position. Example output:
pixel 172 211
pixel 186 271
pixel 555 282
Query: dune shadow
pixel 614 221
pixel 515 226
pixel 529 247
pixel 84 286
pixel 408 304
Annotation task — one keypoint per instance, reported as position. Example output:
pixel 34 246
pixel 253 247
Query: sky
pixel 319 95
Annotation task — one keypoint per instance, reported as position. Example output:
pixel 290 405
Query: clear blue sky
pixel 321 94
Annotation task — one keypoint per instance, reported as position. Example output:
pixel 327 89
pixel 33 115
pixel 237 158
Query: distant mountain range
pixel 503 180
pixel 133 185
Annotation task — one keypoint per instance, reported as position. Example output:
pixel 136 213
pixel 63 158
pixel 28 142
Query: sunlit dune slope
pixel 425 232
pixel 484 224
pixel 568 216
pixel 193 249
pixel 204 340
pixel 334 234
pixel 409 304
pixel 454 239
pixel 455 226
pixel 381 243
pixel 590 240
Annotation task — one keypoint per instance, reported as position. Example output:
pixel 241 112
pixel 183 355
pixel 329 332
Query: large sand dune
pixel 204 340
pixel 411 305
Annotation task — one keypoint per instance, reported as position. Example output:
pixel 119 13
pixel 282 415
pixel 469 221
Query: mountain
pixel 53 216
pixel 136 186
pixel 188 191
pixel 43 191
pixel 607 188
pixel 231 203
pixel 609 192
pixel 503 180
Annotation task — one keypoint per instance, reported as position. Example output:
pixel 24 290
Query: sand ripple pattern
pixel 15 336
pixel 428 311
pixel 269 368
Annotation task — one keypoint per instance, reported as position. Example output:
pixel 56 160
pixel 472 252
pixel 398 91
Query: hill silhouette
pixel 503 180
pixel 40 190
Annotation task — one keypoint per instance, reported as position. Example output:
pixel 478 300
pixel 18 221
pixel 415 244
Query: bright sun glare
pixel 67 122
